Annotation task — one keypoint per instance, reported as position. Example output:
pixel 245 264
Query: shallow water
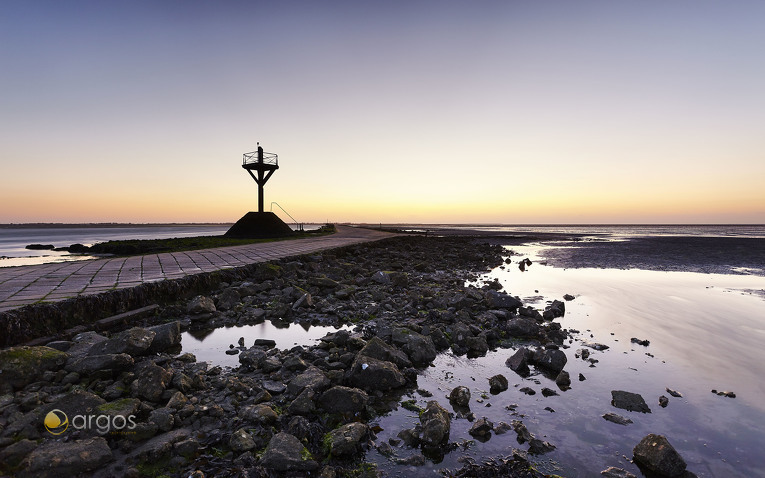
pixel 705 331
pixel 211 345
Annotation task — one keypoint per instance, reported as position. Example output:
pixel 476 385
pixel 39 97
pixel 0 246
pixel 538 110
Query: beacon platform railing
pixel 252 158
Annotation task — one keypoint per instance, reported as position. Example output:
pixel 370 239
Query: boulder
pixel 436 425
pixel 552 360
pixel 419 348
pixel 21 366
pixel 655 453
pixel 241 440
pixel 563 379
pixel 200 305
pixel 477 344
pixel 303 404
pixel 346 441
pixel 518 362
pixel 285 453
pixel 313 377
pixel 522 327
pixel 378 349
pixel 460 396
pixel 135 342
pixel 54 459
pixel 228 299
pixel 629 401
pixel 110 364
pixel 370 373
pixel 165 336
pixel 151 381
pixel 481 428
pixel 554 310
pixel 618 419
pixel 499 300
pixel 498 383
pixel 339 399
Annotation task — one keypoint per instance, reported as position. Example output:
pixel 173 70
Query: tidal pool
pixel 210 345
pixel 705 332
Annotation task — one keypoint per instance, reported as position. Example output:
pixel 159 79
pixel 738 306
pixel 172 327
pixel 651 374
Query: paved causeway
pixel 25 285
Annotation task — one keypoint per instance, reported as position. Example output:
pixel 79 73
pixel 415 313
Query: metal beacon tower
pixel 261 166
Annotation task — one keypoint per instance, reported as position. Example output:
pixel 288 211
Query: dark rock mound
pixel 656 454
pixel 254 225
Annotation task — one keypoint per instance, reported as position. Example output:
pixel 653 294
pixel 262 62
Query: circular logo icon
pixel 56 422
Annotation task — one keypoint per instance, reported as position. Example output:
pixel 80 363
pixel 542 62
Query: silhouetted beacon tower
pixel 261 166
pixel 264 164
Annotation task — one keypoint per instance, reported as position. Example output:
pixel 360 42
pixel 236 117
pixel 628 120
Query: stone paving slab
pixel 26 285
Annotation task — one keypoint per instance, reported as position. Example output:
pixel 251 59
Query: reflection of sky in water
pixel 210 346
pixel 705 333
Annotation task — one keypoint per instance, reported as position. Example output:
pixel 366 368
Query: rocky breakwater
pixel 128 404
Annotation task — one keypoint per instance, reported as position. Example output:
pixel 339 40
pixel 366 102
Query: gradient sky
pixel 395 111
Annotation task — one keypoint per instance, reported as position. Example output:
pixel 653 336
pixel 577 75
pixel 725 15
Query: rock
pixel 165 336
pixel 655 453
pixel 378 349
pixel 23 365
pixel 481 428
pixel 663 401
pixel 135 342
pixel 241 440
pixel 381 278
pixel 563 379
pixel 595 345
pixel 304 403
pixel 413 460
pixel 629 401
pixel 644 343
pixel 267 343
pixel 151 381
pixel 110 364
pixel 501 428
pixel 252 358
pixel 618 419
pixel 674 393
pixel 540 447
pixel 260 413
pixel 436 425
pixel 200 305
pixel 276 388
pixel 613 472
pixel 551 359
pixel 548 392
pixel 54 459
pixel 304 300
pixel 285 453
pixel 323 282
pixel 477 345
pixel 163 418
pixel 498 383
pixel 554 310
pixel 346 440
pixel 518 362
pixel 294 363
pixel 724 394
pixel 527 391
pixel 339 399
pixel 460 396
pixel 370 373
pixel 523 433
pixel 313 377
pixel 568 297
pixel 228 299
pixel 523 328
pixel 12 455
pixel 499 300
pixel 419 348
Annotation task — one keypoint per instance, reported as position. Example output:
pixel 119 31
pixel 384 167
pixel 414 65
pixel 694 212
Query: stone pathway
pixel 25 285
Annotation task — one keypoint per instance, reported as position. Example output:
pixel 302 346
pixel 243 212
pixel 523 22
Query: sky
pixel 515 112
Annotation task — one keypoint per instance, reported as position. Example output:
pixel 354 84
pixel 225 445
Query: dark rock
pixel 552 360
pixel 378 349
pixel 241 440
pixel 563 379
pixel 313 377
pixel 618 419
pixel 285 453
pixel 523 328
pixel 163 418
pixel 629 401
pixel 523 433
pixel 528 391
pixel 499 300
pixel 341 399
pixel 724 394
pixel 481 428
pixel 40 247
pixel 412 460
pixel 260 413
pixel 23 365
pixel 554 310
pixel 346 440
pixel 498 383
pixel 540 447
pixel 135 342
pixel 252 358
pixel 674 393
pixel 165 336
pixel 272 386
pixel 267 343
pixel 370 373
pixel 151 381
pixel 54 459
pixel 613 472
pixel 548 392
pixel 304 404
pixel 460 396
pixel 477 345
pixel 228 299
pixel 200 305
pixel 655 453
pixel 110 364
pixel 12 455
pixel 518 363
pixel 436 425
pixel 568 297
pixel 663 401
pixel 419 348
pixel 635 340
pixel 595 345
